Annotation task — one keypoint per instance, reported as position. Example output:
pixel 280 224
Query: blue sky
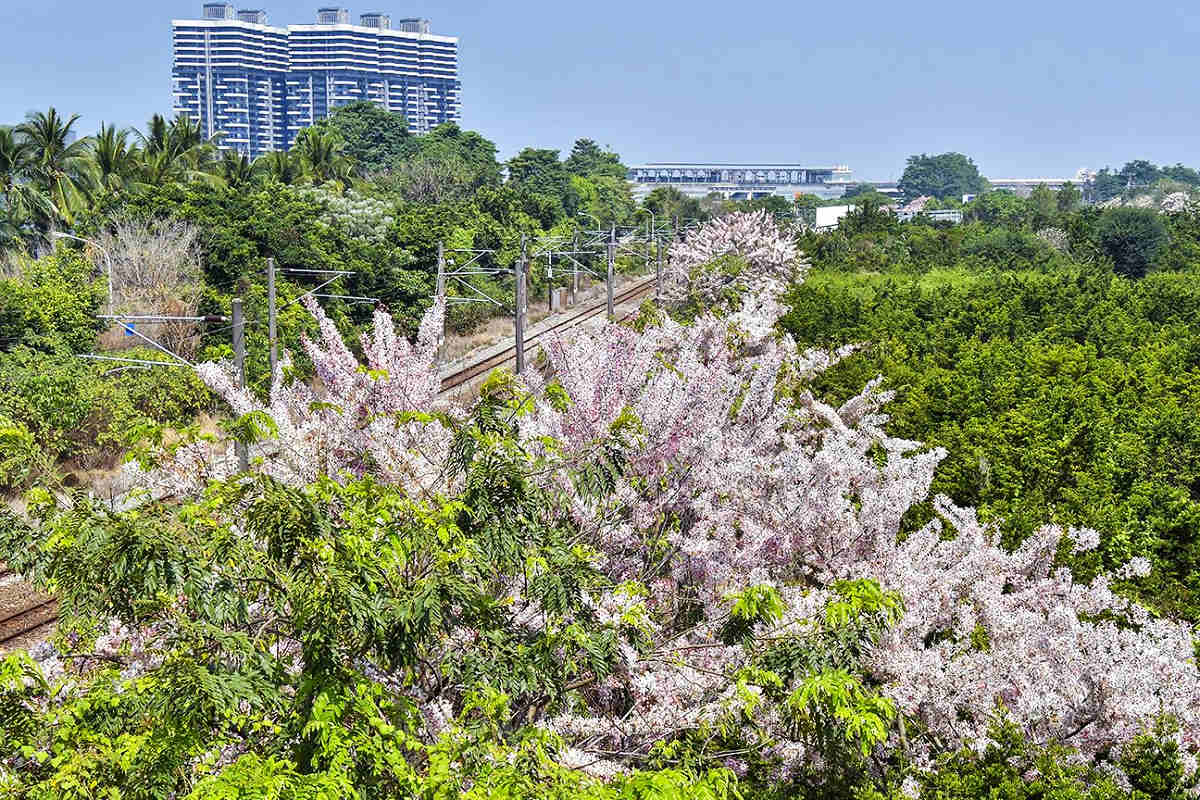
pixel 1025 88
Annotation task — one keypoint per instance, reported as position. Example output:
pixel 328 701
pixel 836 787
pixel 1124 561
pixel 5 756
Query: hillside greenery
pixel 258 638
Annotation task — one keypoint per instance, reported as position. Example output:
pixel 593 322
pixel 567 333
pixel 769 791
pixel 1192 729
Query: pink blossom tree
pixel 741 515
pixel 699 268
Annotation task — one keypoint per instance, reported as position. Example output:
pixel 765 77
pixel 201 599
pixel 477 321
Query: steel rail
pixel 28 619
pixel 484 365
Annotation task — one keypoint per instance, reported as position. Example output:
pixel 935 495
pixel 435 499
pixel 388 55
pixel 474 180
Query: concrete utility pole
pixel 574 267
pixel 612 258
pixel 658 280
pixel 519 316
pixel 441 275
pixel 239 368
pixel 441 293
pixel 271 315
pixel 649 240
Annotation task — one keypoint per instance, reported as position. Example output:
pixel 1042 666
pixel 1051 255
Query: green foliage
pixel 281 609
pixel 943 176
pixel 1013 768
pixel 1133 238
pixel 668 203
pixel 816 678
pixel 1068 397
pixel 52 304
pixel 999 208
pixel 871 240
pixel 754 605
pixel 587 159
pixel 22 460
pixel 450 142
pixel 75 410
pixel 373 137
pixel 1138 175
pixel 1154 766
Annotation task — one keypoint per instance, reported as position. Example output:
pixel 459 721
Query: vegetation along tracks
pixel 488 363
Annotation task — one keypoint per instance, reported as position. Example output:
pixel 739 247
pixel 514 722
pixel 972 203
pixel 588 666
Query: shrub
pixel 82 411
pixel 22 461
pixel 1133 238
pixel 51 303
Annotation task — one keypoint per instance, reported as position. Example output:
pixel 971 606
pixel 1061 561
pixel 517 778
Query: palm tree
pixel 176 151
pixel 235 169
pixel 21 201
pixel 114 160
pixel 321 157
pixel 60 166
pixel 278 165
pixel 16 168
pixel 154 140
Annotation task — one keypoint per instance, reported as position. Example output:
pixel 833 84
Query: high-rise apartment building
pixel 257 86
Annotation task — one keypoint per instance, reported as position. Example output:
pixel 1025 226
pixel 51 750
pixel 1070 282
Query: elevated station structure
pixel 740 181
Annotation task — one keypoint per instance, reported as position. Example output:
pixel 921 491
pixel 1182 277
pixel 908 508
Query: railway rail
pixel 32 615
pixel 485 365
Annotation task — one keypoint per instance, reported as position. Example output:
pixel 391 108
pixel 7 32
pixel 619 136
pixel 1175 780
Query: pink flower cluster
pixel 725 484
pixel 770 254
pixel 355 423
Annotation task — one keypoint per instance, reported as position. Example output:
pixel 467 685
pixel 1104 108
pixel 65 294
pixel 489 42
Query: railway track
pixel 483 366
pixel 32 615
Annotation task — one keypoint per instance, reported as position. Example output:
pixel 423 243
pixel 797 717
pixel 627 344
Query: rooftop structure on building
pixel 740 181
pixel 413 25
pixel 375 20
pixel 333 16
pixel 256 86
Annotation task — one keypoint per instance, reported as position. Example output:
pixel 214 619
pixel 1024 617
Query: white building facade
pixel 257 86
pixel 740 181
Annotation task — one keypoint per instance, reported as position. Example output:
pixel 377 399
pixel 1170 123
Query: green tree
pixel 1003 209
pixel 20 200
pixel 668 203
pixel 1043 207
pixel 1105 186
pixel 373 137
pixel 280 166
pixel 587 159
pixel 115 161
pixel 450 143
pixel 1133 238
pixel 1182 174
pixel 1069 198
pixel 60 167
pixel 51 303
pixel 235 169
pixel 776 206
pixel 613 203
pixel 1138 173
pixel 540 173
pixel 945 175
pixel 321 155
pixel 175 151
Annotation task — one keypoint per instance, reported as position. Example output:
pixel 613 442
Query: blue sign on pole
pixel 128 328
